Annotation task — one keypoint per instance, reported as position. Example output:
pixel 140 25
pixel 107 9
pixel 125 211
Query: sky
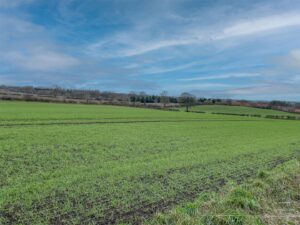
pixel 240 49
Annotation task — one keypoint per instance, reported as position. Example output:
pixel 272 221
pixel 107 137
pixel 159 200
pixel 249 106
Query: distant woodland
pixel 141 99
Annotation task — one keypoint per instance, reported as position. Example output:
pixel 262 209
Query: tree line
pixel 56 92
pixel 141 99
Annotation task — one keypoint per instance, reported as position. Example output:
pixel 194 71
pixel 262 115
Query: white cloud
pixel 223 76
pixel 260 25
pixel 127 46
pixel 157 70
pixel 41 60
pixel 137 42
pixel 292 60
pixel 30 47
pixel 197 86
pixel 285 68
pixel 266 89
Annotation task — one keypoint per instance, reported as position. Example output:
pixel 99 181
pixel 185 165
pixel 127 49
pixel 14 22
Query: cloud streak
pixel 260 25
pixel 132 44
pixel 223 76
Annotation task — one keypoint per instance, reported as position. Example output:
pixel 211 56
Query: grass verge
pixel 271 198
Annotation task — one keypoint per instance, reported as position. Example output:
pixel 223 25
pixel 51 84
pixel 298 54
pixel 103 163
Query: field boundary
pixel 125 122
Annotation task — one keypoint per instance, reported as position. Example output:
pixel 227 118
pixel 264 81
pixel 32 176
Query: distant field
pixel 91 164
pixel 34 112
pixel 240 110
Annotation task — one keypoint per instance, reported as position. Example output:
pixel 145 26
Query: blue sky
pixel 212 48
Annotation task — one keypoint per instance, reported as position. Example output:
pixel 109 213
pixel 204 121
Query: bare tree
pixel 56 90
pixel 187 100
pixel 132 97
pixel 164 98
pixel 143 95
pixel 86 96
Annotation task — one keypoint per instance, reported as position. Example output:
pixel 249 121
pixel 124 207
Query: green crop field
pixel 90 164
pixel 240 110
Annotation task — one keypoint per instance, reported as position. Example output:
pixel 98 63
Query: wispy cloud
pixel 198 86
pixel 161 70
pixel 125 46
pixel 223 76
pixel 41 59
pixel 30 47
pixel 133 43
pixel 260 25
pixel 266 89
pixel 258 92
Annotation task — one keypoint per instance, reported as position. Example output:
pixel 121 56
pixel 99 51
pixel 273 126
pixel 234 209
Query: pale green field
pixel 83 164
pixel 240 110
